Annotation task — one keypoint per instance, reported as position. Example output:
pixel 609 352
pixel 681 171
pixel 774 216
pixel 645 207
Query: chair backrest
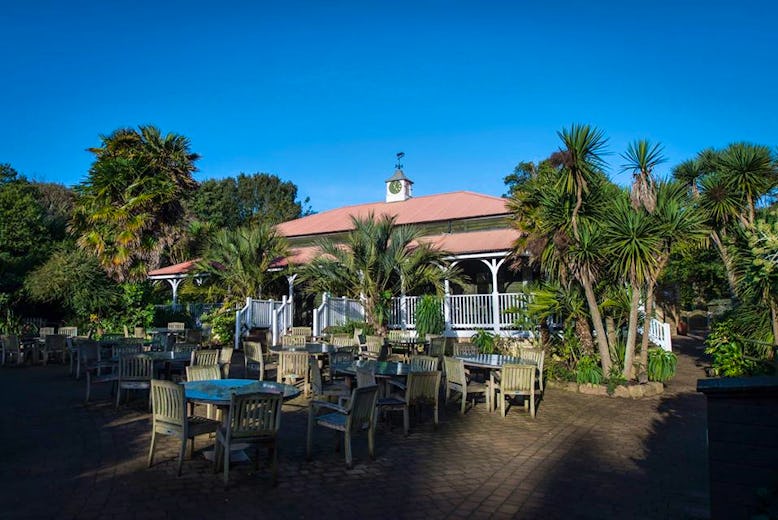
pixel 184 348
pixel 301 331
pixel 362 409
pixel 139 332
pixel 424 363
pixel 341 357
pixel 10 342
pixel 136 368
pixel 121 350
pixel 255 415
pixel 203 373
pixel 176 325
pixel 465 349
pixel 252 350
pixel 317 385
pixel 519 378
pixel 225 355
pixel 423 387
pixel 342 340
pixel 69 331
pixel 205 357
pixel 455 370
pixel 45 331
pixel 194 336
pixel 366 376
pixel 535 356
pixel 131 341
pixel 359 338
pixel 55 342
pixel 437 346
pixel 88 350
pixel 290 341
pixel 292 364
pixel 375 344
pixel 168 402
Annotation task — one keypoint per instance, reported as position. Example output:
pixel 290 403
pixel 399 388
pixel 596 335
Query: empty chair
pixel 305 332
pixel 45 331
pixel 457 381
pixel 125 349
pixel 55 345
pixel 225 360
pixel 253 419
pixel 375 347
pixel 169 417
pixel 12 350
pixel 88 356
pixel 203 373
pixel 437 347
pixel 342 340
pixel 205 357
pixel 176 325
pixel 135 373
pixel 320 389
pixel 139 332
pixel 69 331
pixel 359 415
pixel 193 336
pixel 339 358
pixel 253 355
pixel 359 338
pixel 424 363
pixel 293 368
pixel 293 341
pixel 422 388
pixel 534 356
pixel 465 349
pixel 517 380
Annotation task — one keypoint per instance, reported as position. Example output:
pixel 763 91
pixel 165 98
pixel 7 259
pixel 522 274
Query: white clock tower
pixel 398 186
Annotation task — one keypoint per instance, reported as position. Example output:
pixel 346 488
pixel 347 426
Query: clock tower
pixel 398 186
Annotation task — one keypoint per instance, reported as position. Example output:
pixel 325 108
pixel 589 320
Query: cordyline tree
pixel 584 231
pixel 129 209
pixel 377 260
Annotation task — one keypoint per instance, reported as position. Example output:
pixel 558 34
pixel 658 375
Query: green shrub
pixel 615 378
pixel 731 356
pixel 348 328
pixel 222 324
pixel 588 370
pixel 484 340
pixel 661 364
pixel 429 316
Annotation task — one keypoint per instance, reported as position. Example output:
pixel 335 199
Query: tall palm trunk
pixel 599 329
pixel 774 320
pixel 646 325
pixel 632 331
pixel 727 260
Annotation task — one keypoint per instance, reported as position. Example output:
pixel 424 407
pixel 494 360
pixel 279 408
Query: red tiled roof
pixel 175 269
pixel 416 210
pixel 489 241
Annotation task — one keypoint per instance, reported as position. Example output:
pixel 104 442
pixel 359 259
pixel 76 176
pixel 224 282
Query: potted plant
pixel 429 316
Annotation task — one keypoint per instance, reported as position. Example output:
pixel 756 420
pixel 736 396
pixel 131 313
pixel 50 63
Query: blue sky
pixel 325 93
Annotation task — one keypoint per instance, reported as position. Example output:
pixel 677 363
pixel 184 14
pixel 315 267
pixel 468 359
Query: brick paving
pixel 583 457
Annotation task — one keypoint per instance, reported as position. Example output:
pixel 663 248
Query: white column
pixel 174 283
pixel 290 279
pixel 447 301
pixel 494 267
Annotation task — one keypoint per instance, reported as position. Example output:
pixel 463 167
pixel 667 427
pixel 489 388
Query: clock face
pixel 395 187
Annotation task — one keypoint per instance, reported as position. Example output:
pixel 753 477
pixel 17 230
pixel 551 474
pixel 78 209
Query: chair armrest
pixel 398 384
pixel 316 405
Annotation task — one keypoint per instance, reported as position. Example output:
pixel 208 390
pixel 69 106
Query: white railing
pixel 659 334
pixel 462 311
pixel 471 311
pixel 271 314
pixel 336 311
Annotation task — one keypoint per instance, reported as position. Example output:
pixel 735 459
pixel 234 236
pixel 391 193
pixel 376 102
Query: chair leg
pixel 275 463
pixel 88 385
pixel 309 442
pixel 151 448
pixel 435 411
pixel 464 402
pixel 371 441
pixel 503 398
pixel 118 395
pixel 532 406
pixel 226 458
pixel 181 452
pixel 406 420
pixel 347 442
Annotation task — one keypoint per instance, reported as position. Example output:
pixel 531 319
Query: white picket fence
pixel 659 334
pixel 271 314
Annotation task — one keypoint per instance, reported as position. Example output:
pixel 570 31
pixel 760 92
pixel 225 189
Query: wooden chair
pixel 176 325
pixel 69 331
pixel 135 373
pixel 359 338
pixel 534 356
pixel 422 388
pixel 359 415
pixel 45 331
pixel 437 347
pixel 225 360
pixel 457 381
pixel 293 341
pixel 320 389
pixel 95 376
pixel 139 332
pixel 424 363
pixel 205 357
pixel 338 358
pixel 193 336
pixel 342 340
pixel 203 373
pixel 465 349
pixel 517 380
pixel 11 349
pixel 88 356
pixel 375 348
pixel 253 355
pixel 306 332
pixel 253 419
pixel 54 346
pixel 293 367
pixel 169 417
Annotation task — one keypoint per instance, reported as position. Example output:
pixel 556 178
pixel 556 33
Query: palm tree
pixel 750 170
pixel 238 261
pixel 377 260
pixel 642 157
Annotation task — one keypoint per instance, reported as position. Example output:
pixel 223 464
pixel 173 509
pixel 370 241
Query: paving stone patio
pixel 582 457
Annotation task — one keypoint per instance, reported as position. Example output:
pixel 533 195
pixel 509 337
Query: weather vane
pixel 399 165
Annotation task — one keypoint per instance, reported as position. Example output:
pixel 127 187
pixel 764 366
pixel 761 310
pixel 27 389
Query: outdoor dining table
pixel 314 349
pixel 408 346
pixel 383 370
pixel 491 362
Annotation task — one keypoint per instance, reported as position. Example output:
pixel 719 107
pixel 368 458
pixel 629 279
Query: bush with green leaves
pixel 484 340
pixel 661 364
pixel 222 324
pixel 429 316
pixel 733 357
pixel 589 371
pixel 348 328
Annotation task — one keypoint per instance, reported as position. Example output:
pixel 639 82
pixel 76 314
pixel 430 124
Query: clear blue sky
pixel 324 93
